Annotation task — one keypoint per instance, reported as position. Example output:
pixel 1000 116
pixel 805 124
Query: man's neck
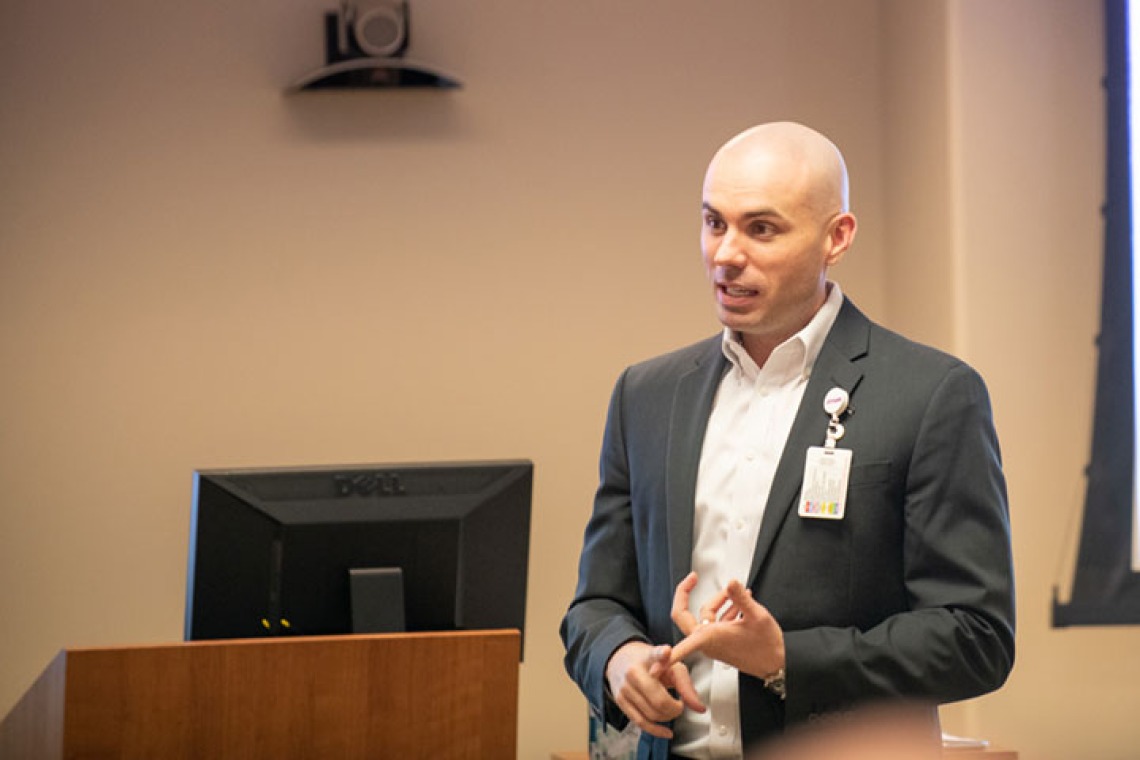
pixel 760 346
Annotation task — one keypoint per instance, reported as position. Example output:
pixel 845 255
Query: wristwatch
pixel 776 684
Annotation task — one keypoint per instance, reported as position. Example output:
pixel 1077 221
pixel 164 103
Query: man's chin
pixel 741 323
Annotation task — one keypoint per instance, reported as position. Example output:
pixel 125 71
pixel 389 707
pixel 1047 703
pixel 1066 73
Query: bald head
pixel 774 220
pixel 803 161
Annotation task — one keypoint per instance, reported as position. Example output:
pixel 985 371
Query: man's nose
pixel 730 252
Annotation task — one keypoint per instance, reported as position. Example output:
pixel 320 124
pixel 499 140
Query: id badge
pixel 824 494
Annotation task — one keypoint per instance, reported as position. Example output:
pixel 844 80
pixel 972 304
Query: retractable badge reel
pixel 824 494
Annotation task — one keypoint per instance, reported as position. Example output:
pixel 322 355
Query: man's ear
pixel 840 236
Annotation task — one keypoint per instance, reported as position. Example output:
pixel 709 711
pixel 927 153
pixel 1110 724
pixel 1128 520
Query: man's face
pixel 766 247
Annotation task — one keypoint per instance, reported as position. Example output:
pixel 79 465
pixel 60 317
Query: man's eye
pixel 714 224
pixel 761 229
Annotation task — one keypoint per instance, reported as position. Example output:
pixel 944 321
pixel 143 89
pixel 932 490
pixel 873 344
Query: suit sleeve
pixel 956 638
pixel 607 610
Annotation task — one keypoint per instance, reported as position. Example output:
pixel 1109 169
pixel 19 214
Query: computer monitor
pixel 272 550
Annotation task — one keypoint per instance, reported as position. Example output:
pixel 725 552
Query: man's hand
pixel 640 676
pixel 732 627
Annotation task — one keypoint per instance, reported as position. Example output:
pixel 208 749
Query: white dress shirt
pixel 751 417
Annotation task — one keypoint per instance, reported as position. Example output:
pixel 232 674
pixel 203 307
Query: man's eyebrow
pixel 753 214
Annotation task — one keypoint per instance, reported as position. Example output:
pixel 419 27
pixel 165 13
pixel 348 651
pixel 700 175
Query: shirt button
pixel 722 730
pixel 740 525
pixel 750 455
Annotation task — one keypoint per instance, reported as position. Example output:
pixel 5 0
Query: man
pixel 808 506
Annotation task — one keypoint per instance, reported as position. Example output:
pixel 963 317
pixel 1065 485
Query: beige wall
pixel 197 271
pixel 1028 134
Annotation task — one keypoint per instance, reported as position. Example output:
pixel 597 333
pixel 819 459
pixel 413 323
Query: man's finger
pixel 658 660
pixel 683 685
pixel 638 717
pixel 680 612
pixel 689 644
pixel 712 606
pixel 732 613
pixel 738 593
pixel 648 703
pixel 654 729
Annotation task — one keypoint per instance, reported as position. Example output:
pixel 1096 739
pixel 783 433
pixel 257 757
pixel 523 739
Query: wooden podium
pixel 438 695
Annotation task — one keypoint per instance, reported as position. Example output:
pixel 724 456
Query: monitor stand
pixel 377 597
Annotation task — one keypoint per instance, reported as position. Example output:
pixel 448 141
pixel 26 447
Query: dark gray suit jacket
pixel 910 596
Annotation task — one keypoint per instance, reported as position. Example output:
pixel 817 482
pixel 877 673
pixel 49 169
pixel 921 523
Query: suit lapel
pixel 834 367
pixel 692 404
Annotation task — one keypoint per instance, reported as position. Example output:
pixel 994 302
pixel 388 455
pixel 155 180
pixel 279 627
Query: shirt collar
pixel 797 354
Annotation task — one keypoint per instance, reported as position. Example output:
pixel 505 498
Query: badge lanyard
pixel 824 494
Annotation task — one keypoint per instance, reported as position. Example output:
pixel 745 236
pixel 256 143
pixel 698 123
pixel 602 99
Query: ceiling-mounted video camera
pixel 370 29
pixel 365 42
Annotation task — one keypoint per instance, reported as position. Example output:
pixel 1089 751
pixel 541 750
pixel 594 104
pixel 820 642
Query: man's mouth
pixel 736 291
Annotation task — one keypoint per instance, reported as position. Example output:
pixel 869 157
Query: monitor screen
pixel 272 550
